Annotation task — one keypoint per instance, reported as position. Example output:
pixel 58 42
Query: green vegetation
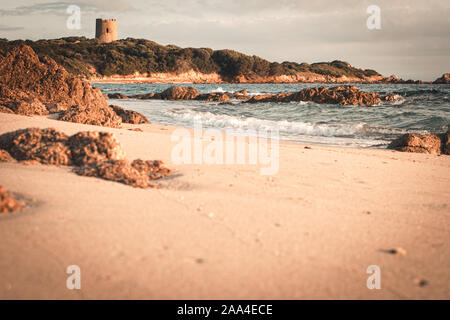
pixel 87 56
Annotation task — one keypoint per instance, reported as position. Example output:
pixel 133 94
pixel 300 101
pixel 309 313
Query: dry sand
pixel 225 231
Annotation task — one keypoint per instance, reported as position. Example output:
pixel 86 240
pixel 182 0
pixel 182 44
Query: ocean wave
pixel 411 93
pixel 211 120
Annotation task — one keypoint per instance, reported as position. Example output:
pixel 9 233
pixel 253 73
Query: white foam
pixel 285 127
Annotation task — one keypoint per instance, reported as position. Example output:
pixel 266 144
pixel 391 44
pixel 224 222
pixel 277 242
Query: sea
pixel 422 109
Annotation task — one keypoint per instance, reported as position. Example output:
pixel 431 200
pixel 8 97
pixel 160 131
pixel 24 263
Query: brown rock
pixel 5 109
pixel 47 146
pixel 445 138
pixel 55 107
pixel 5 156
pixel 94 147
pixel 445 79
pixel 213 97
pixel 153 169
pixel 343 95
pixel 129 116
pixel 241 95
pixel 261 98
pixel 26 108
pixel 98 154
pixel 412 142
pixel 117 96
pixel 117 170
pixel 26 77
pixel 144 96
pixel 392 97
pixel 7 202
pixel 178 93
pixel 93 115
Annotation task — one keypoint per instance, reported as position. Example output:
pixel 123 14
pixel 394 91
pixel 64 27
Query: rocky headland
pixel 33 85
pixel 140 60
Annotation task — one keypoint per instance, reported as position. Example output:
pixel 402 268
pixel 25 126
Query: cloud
pixel 414 40
pixel 60 7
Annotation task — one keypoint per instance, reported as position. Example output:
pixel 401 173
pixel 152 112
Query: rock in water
pixel 117 96
pixel 94 147
pixel 7 202
pixel 129 116
pixel 343 95
pixel 445 79
pixel 213 97
pixel 177 93
pixel 429 143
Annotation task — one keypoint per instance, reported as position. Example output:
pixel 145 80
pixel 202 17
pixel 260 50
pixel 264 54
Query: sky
pixel 413 40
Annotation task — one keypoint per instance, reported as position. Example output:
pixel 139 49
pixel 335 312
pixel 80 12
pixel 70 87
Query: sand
pixel 225 231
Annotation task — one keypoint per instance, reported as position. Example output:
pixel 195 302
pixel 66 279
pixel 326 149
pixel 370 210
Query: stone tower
pixel 106 30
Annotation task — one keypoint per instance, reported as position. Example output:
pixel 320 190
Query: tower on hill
pixel 106 30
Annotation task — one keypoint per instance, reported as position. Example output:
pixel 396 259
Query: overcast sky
pixel 413 42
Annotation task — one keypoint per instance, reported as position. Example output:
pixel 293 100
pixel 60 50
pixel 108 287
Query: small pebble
pixel 420 282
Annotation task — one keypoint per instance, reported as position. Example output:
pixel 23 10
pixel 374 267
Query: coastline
pixel 193 77
pixel 225 231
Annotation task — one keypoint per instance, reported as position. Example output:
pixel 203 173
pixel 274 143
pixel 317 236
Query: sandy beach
pixel 225 231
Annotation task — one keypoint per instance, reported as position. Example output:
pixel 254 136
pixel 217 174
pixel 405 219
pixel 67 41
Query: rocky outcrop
pixel 31 85
pixel 154 169
pixel 143 96
pixel 343 95
pixel 241 95
pixel 93 115
pixel 90 147
pixel 445 79
pixel 93 153
pixel 129 116
pixel 116 170
pixel 213 97
pixel 7 202
pixel 177 93
pixel 428 143
pixel 26 108
pixel 46 146
pixel 117 96
pixel 138 174
pixel 190 93
pixel 172 93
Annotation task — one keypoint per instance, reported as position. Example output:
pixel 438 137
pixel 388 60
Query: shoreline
pixel 225 231
pixel 153 81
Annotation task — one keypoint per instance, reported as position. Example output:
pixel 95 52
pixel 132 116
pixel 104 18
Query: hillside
pixel 92 59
